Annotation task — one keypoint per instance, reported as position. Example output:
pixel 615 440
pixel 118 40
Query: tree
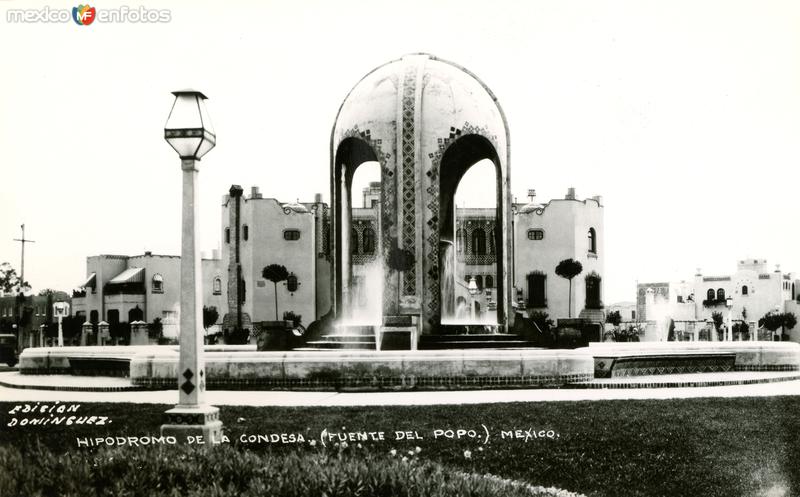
pixel 275 273
pixel 717 318
pixel 210 316
pixel 613 318
pixel 774 320
pixel 156 329
pixel 742 330
pixel 569 268
pixel 400 260
pixel 9 281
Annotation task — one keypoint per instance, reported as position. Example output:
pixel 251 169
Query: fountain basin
pixel 246 369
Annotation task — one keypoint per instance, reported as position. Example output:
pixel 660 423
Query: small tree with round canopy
pixel 569 268
pixel 275 273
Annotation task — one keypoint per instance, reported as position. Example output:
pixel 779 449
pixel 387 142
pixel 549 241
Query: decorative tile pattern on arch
pixel 409 230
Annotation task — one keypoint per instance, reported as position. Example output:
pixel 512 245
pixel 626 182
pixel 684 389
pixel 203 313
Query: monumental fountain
pixel 426 122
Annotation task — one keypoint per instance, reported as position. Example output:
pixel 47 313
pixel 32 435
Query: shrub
pixel 192 471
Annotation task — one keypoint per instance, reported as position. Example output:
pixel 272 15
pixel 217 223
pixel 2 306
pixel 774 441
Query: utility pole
pixel 20 299
pixel 22 241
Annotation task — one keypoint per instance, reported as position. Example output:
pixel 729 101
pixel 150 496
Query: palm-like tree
pixel 569 268
pixel 275 273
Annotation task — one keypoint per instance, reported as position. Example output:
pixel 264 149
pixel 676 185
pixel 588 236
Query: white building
pixel 123 289
pixel 544 235
pixel 754 290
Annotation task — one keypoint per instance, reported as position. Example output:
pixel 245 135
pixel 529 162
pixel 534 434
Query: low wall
pixel 242 367
pixel 56 360
pixel 749 356
pixel 326 370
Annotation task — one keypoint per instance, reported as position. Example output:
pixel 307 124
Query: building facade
pixel 546 234
pixel 123 289
pixel 258 232
pixel 296 235
pixel 754 290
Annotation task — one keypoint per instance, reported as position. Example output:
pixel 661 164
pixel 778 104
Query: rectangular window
pixel 537 283
pixel 535 234
pixel 291 235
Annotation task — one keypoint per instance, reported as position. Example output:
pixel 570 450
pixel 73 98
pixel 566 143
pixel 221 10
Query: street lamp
pixel 472 287
pixel 188 130
pixel 102 332
pixel 60 310
pixel 729 305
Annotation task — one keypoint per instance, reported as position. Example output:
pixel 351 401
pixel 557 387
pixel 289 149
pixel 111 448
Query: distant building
pixel 627 310
pixel 754 290
pixel 123 289
pixel 28 315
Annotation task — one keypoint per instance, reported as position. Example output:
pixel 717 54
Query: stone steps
pixel 478 341
pixel 360 337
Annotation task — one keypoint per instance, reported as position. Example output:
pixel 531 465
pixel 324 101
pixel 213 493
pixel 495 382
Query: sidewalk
pixel 769 387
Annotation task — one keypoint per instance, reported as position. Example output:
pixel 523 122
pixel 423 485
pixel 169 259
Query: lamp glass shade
pixel 472 286
pixel 189 130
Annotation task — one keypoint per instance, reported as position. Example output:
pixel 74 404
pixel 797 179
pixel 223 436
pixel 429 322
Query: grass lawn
pixel 709 447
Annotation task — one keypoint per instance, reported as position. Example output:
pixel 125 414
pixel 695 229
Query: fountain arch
pixel 424 120
pixel 351 154
pixel 458 158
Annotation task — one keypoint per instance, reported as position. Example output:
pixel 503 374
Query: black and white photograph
pixel 423 248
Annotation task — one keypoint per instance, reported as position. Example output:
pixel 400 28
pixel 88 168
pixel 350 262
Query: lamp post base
pixel 193 425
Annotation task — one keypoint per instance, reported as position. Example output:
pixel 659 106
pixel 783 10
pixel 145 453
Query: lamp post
pixel 472 287
pixel 729 331
pixel 102 332
pixel 60 309
pixel 188 130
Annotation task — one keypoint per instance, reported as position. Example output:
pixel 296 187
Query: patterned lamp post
pixel 189 132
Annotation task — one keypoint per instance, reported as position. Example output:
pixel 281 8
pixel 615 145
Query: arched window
pixel 158 284
pixel 479 282
pixel 744 290
pixel 245 232
pixel 479 242
pixel 94 317
pixel 217 286
pixel 292 283
pixel 492 239
pixel 135 314
pixel 353 241
pixel 459 240
pixel 467 278
pixel 593 300
pixel 227 235
pixel 710 294
pixel 592 241
pixel 720 294
pixel 368 240
pixel 489 281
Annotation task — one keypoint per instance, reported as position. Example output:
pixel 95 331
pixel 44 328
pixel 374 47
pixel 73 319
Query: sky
pixel 683 115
